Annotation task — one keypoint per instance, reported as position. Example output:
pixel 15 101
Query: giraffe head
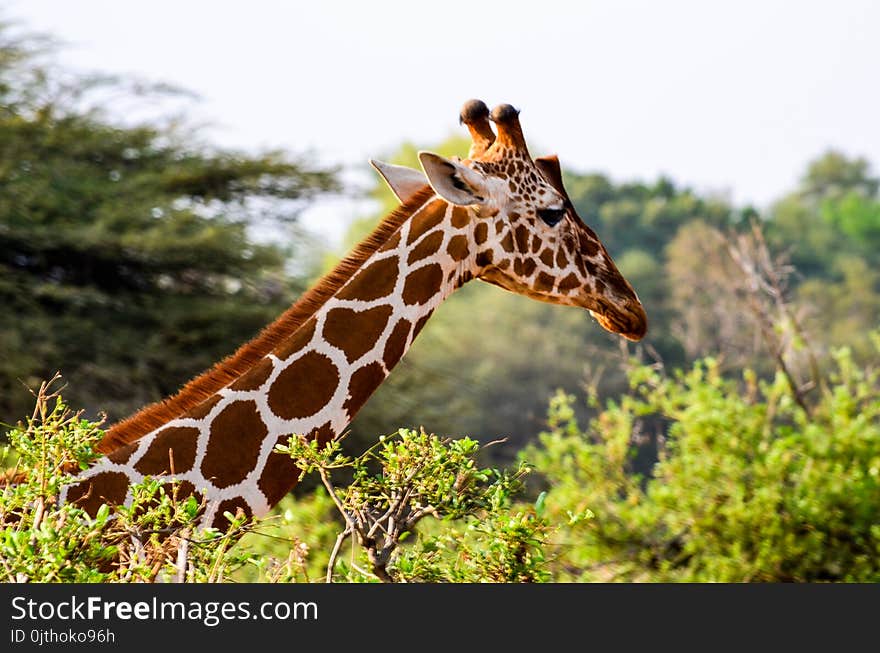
pixel 528 238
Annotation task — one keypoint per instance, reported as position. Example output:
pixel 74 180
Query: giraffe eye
pixel 551 216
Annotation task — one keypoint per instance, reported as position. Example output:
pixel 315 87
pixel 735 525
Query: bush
pixel 396 485
pixel 152 539
pixel 475 532
pixel 747 486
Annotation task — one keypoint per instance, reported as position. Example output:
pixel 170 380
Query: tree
pixel 748 485
pixel 830 226
pixel 834 174
pixel 834 211
pixel 131 256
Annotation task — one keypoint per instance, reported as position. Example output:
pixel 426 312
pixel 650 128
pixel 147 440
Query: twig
pixel 182 554
pixel 335 552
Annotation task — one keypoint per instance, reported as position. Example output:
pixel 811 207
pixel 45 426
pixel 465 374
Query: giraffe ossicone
pixel 498 216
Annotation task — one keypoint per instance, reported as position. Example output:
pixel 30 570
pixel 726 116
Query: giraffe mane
pixel 247 355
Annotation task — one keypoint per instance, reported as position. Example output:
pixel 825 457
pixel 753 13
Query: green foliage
pixel 293 543
pixel 151 539
pixel 478 534
pixel 857 216
pixel 748 487
pixel 132 256
pixel 403 480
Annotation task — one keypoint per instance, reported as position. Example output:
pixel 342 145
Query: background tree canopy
pixel 129 254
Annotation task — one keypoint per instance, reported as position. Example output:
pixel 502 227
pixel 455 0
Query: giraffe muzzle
pixel 627 320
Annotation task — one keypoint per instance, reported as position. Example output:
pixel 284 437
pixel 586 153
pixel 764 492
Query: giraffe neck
pixel 312 383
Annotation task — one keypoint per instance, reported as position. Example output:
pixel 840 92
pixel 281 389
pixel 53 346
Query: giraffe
pixel 498 216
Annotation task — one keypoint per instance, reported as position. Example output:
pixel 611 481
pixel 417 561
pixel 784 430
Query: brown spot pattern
pixel 255 377
pixel 355 332
pixel 201 411
pixel 617 283
pixel 236 436
pixel 392 242
pixel 363 383
pixel 459 217
pixel 181 439
pixel 457 248
pixel 304 387
pixel 106 487
pixel 280 473
pixel 589 247
pixel 481 233
pixel 184 490
pixel 423 284
pixel 561 261
pixel 426 220
pixel 544 282
pixel 507 242
pixel 529 266
pixel 569 283
pixel 300 338
pixel 123 453
pixel 547 257
pixel 396 343
pixel 522 238
pixel 428 246
pixel 374 281
pixel 591 267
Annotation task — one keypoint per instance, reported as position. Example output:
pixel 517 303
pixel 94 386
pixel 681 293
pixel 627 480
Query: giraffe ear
pixel 551 170
pixel 454 182
pixel 404 182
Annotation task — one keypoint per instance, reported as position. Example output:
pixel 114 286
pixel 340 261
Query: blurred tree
pixel 844 311
pixel 835 210
pixel 858 218
pixel 831 227
pixel 748 486
pixel 702 280
pixel 128 257
pixel 833 175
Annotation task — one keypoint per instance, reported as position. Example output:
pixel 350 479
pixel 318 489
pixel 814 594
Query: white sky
pixel 731 97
